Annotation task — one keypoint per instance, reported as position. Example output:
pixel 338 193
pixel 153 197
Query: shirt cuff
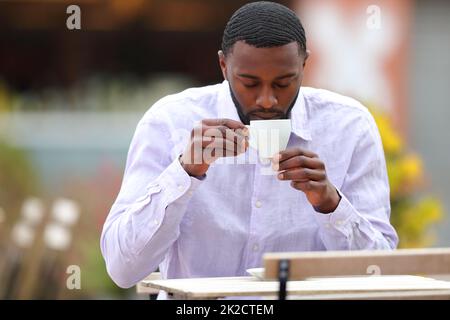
pixel 177 183
pixel 342 219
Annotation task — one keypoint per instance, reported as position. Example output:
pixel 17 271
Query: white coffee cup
pixel 269 137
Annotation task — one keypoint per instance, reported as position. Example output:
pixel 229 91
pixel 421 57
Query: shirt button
pixel 255 247
pixel 180 187
pixel 339 222
pixel 328 226
pixel 258 204
pixel 155 222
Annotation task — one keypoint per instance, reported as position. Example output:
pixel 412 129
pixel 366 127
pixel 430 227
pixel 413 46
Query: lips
pixel 265 116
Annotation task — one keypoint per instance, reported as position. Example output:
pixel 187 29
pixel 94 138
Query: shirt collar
pixel 298 116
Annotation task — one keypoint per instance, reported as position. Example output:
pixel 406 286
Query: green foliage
pixel 95 280
pixel 18 179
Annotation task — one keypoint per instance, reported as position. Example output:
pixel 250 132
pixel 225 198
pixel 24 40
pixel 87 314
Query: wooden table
pixel 357 287
pixel 143 289
pixel 329 275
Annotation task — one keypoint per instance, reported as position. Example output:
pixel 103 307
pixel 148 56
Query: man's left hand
pixel 307 173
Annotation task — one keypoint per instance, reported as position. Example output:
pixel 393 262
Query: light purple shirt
pixel 222 224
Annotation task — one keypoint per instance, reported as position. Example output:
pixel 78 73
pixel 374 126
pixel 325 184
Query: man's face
pixel 265 81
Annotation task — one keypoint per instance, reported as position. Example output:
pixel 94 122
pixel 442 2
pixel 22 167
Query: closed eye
pixel 282 85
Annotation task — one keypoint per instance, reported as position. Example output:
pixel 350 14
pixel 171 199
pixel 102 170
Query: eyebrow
pixel 244 75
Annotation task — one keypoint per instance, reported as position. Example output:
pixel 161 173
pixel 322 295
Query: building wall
pixel 429 114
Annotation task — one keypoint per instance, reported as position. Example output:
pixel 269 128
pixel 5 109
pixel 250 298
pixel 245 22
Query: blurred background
pixel 70 101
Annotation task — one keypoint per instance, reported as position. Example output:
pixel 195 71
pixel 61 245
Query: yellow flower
pixel 392 142
pixel 411 168
pixel 412 214
pixel 413 221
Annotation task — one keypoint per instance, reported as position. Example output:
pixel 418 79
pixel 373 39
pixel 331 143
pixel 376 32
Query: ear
pixel 222 63
pixel 307 53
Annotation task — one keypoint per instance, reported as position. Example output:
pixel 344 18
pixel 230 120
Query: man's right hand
pixel 213 139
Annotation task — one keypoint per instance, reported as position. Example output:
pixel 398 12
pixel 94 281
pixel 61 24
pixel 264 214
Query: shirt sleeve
pixel 361 220
pixel 144 221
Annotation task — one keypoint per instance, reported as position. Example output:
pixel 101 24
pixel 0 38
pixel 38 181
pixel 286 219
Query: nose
pixel 266 98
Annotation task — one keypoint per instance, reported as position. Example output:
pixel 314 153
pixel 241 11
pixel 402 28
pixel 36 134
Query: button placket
pixel 338 223
pixel 252 241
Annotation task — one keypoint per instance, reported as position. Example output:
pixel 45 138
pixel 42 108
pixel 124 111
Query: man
pixel 200 216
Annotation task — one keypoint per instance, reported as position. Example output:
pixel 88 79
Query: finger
pixel 309 186
pixel 299 162
pixel 241 143
pixel 225 132
pixel 219 143
pixel 215 153
pixel 231 124
pixel 211 153
pixel 225 148
pixel 302 174
pixel 229 147
pixel 240 140
pixel 242 132
pixel 215 131
pixel 292 152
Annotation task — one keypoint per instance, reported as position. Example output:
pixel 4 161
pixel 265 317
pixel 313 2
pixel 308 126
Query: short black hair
pixel 264 24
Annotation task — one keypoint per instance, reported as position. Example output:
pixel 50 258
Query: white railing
pixel 69 130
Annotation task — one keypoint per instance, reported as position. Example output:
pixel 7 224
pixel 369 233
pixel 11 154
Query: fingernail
pixel 280 176
pixel 276 158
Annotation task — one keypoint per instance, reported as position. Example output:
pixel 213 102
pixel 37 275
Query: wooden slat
pixel 388 295
pixel 339 263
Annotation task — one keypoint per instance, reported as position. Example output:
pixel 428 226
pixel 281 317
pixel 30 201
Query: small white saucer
pixel 256 272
